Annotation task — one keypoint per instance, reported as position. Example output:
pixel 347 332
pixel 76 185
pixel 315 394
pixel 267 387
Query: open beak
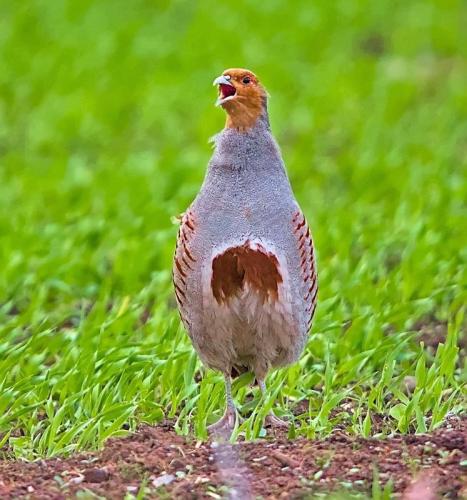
pixel 226 90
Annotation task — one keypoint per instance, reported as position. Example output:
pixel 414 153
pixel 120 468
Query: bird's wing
pixel 184 263
pixel 307 263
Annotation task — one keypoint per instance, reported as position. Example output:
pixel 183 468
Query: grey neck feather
pixel 245 166
pixel 264 117
pixel 250 149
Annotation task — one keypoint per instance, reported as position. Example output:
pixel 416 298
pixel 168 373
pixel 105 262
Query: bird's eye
pixel 246 80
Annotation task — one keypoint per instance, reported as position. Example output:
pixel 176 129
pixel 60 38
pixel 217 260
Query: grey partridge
pixel 244 268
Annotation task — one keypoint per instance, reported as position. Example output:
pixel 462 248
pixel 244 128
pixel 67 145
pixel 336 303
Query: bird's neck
pixel 252 150
pixel 244 117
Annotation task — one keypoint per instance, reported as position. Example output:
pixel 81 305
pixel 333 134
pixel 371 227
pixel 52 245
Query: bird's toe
pixel 224 427
pixel 275 422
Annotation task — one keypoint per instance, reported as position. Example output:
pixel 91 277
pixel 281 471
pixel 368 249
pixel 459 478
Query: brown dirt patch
pixel 167 464
pixel 432 332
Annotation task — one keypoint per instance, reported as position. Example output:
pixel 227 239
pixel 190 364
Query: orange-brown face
pixel 242 96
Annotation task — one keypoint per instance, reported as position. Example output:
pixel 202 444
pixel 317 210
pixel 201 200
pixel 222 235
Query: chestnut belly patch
pixel 245 265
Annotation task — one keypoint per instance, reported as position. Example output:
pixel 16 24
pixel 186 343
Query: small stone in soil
pixel 177 464
pixel 163 480
pixel 96 475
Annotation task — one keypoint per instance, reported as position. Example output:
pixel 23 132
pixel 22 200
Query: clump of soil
pixel 432 331
pixel 160 462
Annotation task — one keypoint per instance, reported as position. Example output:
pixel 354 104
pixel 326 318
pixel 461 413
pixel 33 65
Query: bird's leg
pixel 271 420
pixel 224 427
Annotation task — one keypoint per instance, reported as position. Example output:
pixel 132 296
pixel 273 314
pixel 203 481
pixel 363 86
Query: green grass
pixel 105 115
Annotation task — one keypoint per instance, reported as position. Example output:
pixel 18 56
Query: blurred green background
pixel 106 108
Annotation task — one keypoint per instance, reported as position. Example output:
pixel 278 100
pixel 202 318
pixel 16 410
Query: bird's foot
pixel 224 427
pixel 275 422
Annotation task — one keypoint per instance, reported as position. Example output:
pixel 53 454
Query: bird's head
pixel 242 96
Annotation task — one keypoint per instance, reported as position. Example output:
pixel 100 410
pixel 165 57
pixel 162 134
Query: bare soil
pixel 163 464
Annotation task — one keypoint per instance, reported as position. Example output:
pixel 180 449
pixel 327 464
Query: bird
pixel 244 268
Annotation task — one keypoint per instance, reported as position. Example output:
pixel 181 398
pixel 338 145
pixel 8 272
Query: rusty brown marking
pixel 311 310
pixel 185 238
pixel 182 314
pixel 183 260
pixel 178 298
pixel 241 265
pixel 302 245
pixel 313 282
pixel 186 263
pixel 180 291
pixel 180 269
pixel 187 253
pixel 189 223
pixel 300 225
pixel 307 263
